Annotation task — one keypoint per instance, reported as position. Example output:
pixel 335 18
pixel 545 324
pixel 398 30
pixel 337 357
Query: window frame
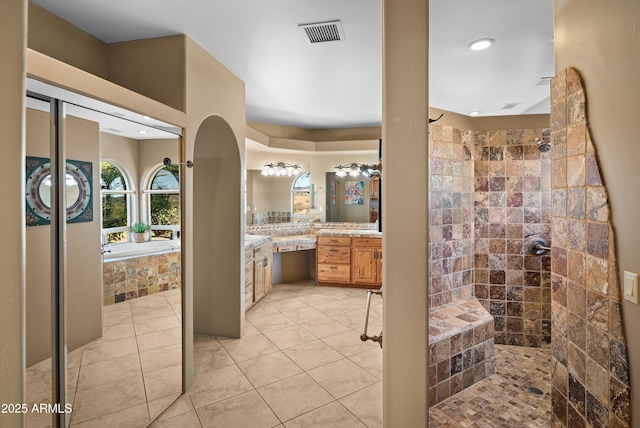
pixel 300 217
pixel 146 194
pixel 129 194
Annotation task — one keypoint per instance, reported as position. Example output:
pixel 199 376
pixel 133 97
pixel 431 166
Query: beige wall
pixel 84 263
pixel 600 40
pixel 404 139
pixel 66 43
pixel 13 24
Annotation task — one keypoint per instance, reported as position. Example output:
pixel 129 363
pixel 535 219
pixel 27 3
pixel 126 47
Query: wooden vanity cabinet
pixel 333 257
pixel 248 279
pixel 262 271
pixel 366 266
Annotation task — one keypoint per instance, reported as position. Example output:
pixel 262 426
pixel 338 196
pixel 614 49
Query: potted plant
pixel 140 232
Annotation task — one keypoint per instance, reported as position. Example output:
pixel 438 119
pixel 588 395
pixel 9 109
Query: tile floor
pixel 300 364
pixel 517 395
pixel 130 373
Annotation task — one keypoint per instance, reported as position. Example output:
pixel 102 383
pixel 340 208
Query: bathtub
pixel 132 249
pixel 134 270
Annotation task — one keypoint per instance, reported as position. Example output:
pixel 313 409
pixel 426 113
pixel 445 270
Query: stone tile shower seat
pixel 461 347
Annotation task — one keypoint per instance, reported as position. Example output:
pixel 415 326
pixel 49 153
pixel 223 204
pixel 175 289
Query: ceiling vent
pixel 509 106
pixel 544 81
pixel 319 32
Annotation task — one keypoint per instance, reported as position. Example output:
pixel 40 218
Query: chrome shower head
pixel 543 146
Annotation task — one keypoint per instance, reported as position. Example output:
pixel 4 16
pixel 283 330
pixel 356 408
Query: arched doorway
pixel 217 230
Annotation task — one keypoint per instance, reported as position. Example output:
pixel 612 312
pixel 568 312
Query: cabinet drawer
pixel 285 248
pixel 334 273
pixel 307 246
pixel 334 240
pixel 261 251
pixel 367 242
pixel 334 255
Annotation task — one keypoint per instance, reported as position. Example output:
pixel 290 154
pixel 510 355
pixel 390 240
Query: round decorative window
pixel 78 188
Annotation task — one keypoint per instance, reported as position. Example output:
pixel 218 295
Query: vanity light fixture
pixel 280 169
pixel 480 44
pixel 357 169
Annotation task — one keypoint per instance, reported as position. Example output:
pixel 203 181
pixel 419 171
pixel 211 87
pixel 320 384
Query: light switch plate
pixel 631 287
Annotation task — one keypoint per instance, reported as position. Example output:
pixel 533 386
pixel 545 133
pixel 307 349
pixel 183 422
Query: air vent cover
pixel 319 32
pixel 509 106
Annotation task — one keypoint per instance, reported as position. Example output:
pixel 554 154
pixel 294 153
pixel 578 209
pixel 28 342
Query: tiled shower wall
pixel 450 214
pixel 590 374
pixel 512 206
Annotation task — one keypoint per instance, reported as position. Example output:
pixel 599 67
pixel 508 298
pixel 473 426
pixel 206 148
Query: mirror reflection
pixel 123 299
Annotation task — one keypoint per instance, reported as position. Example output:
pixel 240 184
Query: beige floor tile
pixel 159 339
pixel 38 380
pixel 342 377
pixel 108 398
pixel 333 415
pixel 204 341
pixel 366 404
pixel 333 307
pixel 185 420
pixel 136 416
pixel 348 343
pixel 290 337
pixel 288 304
pixel 317 299
pixel 177 407
pixel 109 371
pixel 324 327
pixel 303 315
pixel 74 358
pixel 163 382
pixel 272 322
pixel 141 314
pixel 353 318
pixel 217 385
pixel 261 309
pixel 268 369
pixel 152 325
pixel 161 358
pixel 249 329
pixel 248 347
pixel 370 360
pixel 313 354
pixel 119 331
pixel 97 352
pixel 242 411
pixel 294 396
pixel 210 358
pixel 117 318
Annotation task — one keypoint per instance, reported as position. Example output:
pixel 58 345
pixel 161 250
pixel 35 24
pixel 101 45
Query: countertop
pixel 254 241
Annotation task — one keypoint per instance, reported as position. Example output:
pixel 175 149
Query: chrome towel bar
pixel 364 336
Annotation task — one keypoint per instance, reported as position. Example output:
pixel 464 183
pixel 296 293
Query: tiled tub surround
pixel 512 206
pixel 130 278
pixel 461 348
pixel 590 368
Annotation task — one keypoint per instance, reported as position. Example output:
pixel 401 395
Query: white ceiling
pixel 339 84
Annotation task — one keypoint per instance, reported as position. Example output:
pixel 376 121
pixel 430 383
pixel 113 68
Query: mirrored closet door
pixel 111 264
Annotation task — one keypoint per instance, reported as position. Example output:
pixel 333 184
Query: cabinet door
pixel 268 273
pixel 259 268
pixel 379 268
pixel 364 265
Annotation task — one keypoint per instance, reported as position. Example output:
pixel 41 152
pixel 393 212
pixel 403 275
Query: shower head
pixel 543 146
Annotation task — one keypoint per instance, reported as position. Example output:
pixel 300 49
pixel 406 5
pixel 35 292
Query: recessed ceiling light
pixel 474 113
pixel 142 131
pixel 146 117
pixel 480 44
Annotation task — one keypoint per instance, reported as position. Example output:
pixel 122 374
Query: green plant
pixel 140 227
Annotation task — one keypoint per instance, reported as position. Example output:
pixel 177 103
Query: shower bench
pixel 461 347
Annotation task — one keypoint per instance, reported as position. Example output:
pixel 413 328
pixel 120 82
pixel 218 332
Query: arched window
pixel 116 195
pixel 163 202
pixel 301 198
